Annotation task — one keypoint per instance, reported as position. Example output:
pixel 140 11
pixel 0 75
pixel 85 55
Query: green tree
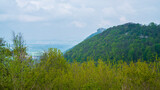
pixel 5 55
pixel 19 48
pixel 52 65
pixel 20 67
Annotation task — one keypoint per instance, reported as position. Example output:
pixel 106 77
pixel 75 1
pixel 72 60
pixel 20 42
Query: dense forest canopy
pixel 126 42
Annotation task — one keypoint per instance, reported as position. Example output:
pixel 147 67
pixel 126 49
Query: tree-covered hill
pixel 123 42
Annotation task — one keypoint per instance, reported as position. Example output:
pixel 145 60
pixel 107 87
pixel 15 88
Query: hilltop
pixel 130 41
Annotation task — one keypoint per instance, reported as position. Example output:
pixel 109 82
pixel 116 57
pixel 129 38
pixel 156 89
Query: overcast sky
pixel 71 21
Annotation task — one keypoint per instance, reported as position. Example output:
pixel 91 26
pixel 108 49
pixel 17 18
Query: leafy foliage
pixel 124 42
pixel 53 72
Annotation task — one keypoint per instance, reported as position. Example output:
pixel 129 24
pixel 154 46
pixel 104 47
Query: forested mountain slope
pixel 129 41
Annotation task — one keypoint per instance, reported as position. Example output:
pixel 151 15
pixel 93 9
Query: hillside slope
pixel 100 30
pixel 127 42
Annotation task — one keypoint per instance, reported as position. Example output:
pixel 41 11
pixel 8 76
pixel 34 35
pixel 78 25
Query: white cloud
pixel 109 11
pixel 64 8
pixel 78 24
pixel 29 18
pixel 123 19
pixel 104 23
pixel 35 5
pixel 83 12
pixel 126 8
pixel 55 8
pixel 49 5
pixel 22 18
pixel 22 3
pixel 116 11
pixel 4 17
